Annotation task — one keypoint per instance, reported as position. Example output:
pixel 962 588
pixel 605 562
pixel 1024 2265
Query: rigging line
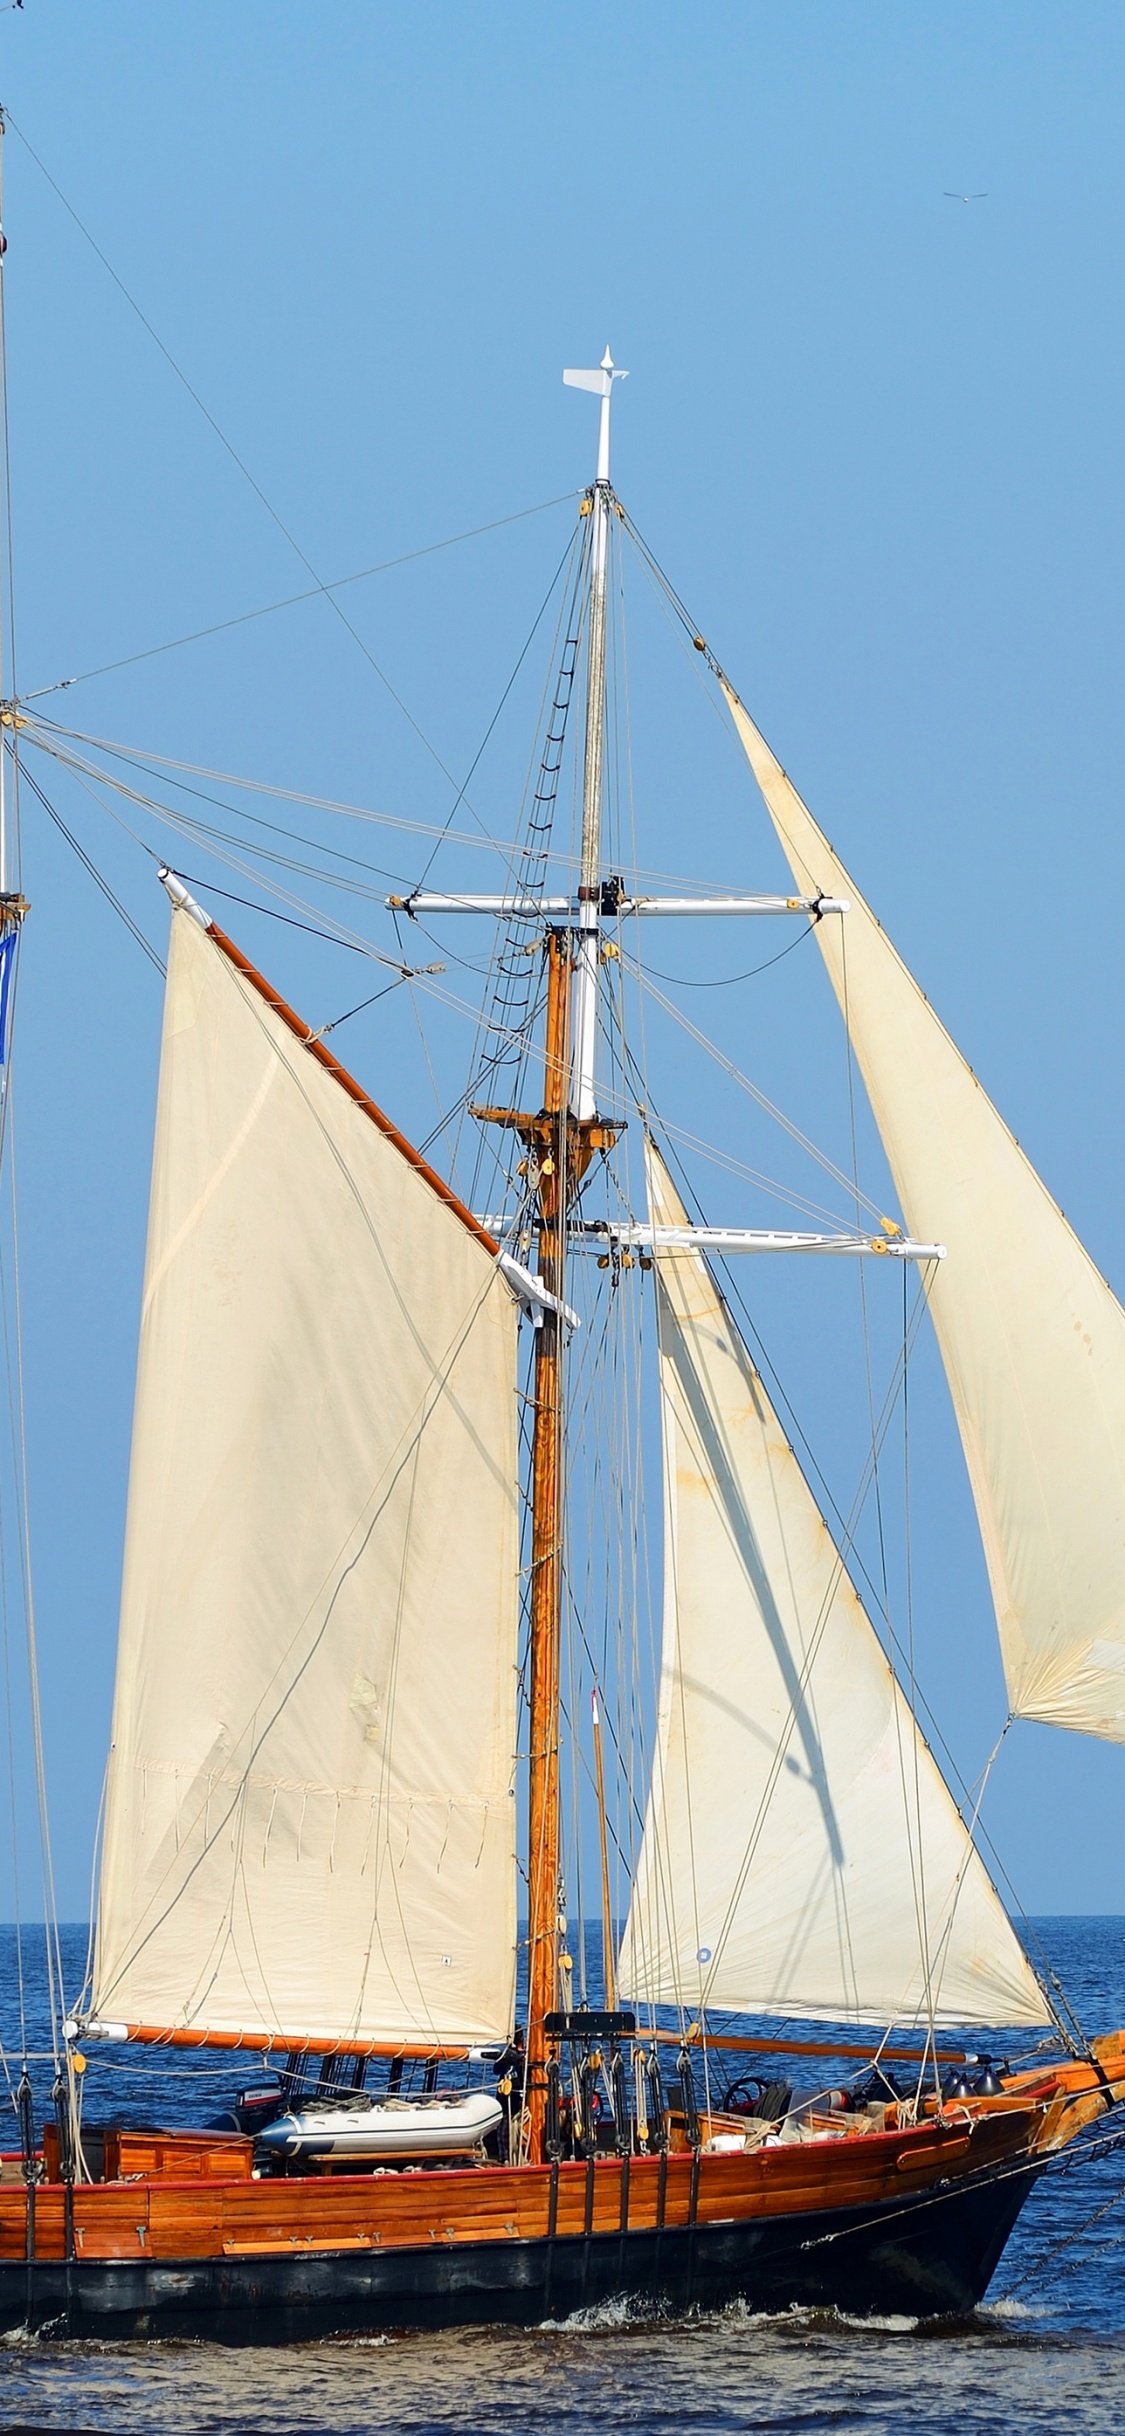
pixel 480 1076
pixel 848 1525
pixel 152 762
pixel 632 1510
pixel 660 1904
pixel 908 1555
pixel 12 860
pixel 511 983
pixel 1039 2266
pixel 233 454
pixel 810 1657
pixel 669 1133
pixel 47 1866
pixel 662 1893
pixel 252 905
pixel 425 1047
pixel 759 1097
pixel 276 1690
pixel 691 634
pixel 690 637
pixel 9 1704
pixel 41 727
pixel 202 634
pixel 96 876
pixel 660 1898
pixel 364 1003
pixel 206 833
pixel 1079 2158
pixel 727 981
pixel 83 1993
pixel 938 1966
pixel 540 613
pixel 467 964
pixel 10 1721
pixel 205 829
pixel 786 1194
pixel 915 1852
pixel 667 586
pixel 854 1181
pixel 585 1769
pixel 203 833
pixel 966 1797
pixel 338 938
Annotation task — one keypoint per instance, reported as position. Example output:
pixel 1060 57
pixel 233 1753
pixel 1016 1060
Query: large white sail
pixel 309 1826
pixel 801 1854
pixel 1032 1338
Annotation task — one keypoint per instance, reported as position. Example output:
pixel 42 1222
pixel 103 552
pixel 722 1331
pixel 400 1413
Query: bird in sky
pixel 950 197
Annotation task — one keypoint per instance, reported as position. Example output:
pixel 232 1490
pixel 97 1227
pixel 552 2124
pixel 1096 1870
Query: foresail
pixel 310 1825
pixel 801 1853
pixel 1032 1338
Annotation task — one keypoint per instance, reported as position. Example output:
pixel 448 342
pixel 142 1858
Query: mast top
pixel 600 383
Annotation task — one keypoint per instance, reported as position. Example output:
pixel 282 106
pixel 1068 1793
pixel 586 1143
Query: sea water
pixel 1047 2351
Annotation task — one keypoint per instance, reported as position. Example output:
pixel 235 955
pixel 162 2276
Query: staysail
pixel 1032 1338
pixel 309 1825
pixel 801 1853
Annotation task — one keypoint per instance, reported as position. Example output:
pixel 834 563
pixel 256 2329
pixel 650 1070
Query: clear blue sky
pixel 874 435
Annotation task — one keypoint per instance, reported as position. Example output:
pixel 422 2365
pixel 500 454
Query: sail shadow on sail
pixel 1032 1337
pixel 843 1888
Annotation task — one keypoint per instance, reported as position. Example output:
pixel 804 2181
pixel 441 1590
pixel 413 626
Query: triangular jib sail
pixel 310 1825
pixel 1032 1338
pixel 801 1853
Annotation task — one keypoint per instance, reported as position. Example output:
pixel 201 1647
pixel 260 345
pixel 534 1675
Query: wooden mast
pixel 560 1147
pixel 561 1141
pixel 546 1549
pixel 609 1989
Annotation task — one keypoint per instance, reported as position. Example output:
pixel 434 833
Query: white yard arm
pixel 561 909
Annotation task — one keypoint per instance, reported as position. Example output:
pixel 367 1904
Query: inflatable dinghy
pixel 384 2127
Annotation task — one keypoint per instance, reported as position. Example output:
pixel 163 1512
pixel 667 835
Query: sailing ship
pixel 340 1662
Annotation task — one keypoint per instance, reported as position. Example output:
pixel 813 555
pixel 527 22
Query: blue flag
pixel 7 964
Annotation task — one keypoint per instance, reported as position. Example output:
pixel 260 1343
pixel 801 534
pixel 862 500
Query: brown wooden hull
pixel 932 2255
pixel 909 2222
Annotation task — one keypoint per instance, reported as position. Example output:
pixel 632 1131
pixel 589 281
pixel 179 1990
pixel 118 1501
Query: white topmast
pixel 5 639
pixel 582 1096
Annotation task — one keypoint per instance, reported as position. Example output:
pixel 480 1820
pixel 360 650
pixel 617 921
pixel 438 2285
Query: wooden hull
pixel 906 2223
pixel 931 2256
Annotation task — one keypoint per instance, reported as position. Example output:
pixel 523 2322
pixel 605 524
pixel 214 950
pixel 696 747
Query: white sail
pixel 309 1826
pixel 801 1854
pixel 1032 1338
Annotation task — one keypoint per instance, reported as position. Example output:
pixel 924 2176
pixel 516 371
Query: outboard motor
pixel 251 2111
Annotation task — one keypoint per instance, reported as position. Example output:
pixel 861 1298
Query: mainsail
pixel 801 1854
pixel 1032 1338
pixel 309 1824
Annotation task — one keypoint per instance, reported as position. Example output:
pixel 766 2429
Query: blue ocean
pixel 1046 2352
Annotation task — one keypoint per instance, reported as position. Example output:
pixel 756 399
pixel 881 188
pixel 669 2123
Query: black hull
pixel 929 2256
